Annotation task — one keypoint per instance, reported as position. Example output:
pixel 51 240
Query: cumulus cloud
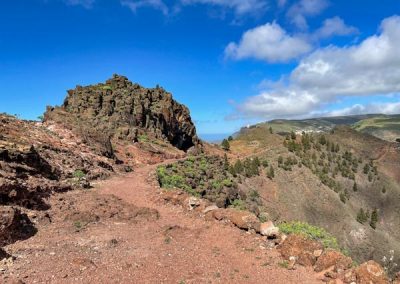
pixel 241 7
pixel 84 3
pixel 328 74
pixel 268 42
pixel 299 11
pixel 155 4
pixel 386 108
pixel 335 27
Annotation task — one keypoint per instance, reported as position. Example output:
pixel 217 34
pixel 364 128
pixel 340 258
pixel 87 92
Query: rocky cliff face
pixel 128 111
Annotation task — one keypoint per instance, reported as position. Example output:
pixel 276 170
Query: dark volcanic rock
pixel 14 226
pixel 26 179
pixel 125 110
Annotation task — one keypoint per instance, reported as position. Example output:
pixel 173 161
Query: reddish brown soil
pixel 92 237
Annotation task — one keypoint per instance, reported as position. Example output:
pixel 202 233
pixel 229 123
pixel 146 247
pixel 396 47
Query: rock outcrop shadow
pixel 14 226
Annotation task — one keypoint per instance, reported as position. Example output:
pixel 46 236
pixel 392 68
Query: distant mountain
pixel 385 127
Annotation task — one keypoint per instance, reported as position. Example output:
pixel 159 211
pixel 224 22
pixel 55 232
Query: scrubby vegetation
pixel 328 161
pixel 79 174
pixel 215 179
pixel 311 232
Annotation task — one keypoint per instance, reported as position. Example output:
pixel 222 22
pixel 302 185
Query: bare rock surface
pixel 122 109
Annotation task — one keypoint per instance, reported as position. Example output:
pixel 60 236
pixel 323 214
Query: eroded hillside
pixel 338 180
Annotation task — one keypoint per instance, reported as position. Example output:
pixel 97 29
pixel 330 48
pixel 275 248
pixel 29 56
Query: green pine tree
pixel 225 145
pixel 226 162
pixel 374 219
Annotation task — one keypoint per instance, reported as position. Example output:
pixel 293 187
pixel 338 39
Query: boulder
pixel 193 202
pixel 14 226
pixel 174 197
pixel 269 230
pixel 371 272
pixel 244 220
pixel 333 259
pixel 210 208
pixel 300 247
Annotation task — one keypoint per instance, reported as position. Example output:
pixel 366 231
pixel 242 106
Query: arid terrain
pixel 114 186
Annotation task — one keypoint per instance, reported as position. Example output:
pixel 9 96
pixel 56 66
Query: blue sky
pixel 231 62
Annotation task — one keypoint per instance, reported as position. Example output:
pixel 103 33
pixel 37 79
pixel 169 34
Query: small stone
pixel 193 202
pixel 269 230
pixel 292 262
pixel 210 208
pixel 318 252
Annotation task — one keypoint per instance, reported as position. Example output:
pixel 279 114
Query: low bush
pixel 311 232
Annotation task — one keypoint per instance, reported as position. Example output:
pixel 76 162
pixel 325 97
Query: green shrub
pixel 362 216
pixel 311 232
pixel 143 138
pixel 79 174
pixel 271 173
pixel 239 204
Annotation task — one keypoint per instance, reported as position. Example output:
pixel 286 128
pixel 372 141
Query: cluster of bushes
pixel 248 167
pixel 288 163
pixel 215 179
pixel 311 232
pixel 364 216
pixel 370 170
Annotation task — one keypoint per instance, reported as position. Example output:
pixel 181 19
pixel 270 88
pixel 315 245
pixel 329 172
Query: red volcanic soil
pixel 123 232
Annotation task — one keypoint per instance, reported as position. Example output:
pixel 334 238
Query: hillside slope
pixel 330 183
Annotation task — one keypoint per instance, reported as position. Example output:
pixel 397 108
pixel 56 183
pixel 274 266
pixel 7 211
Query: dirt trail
pixel 178 247
pixel 201 251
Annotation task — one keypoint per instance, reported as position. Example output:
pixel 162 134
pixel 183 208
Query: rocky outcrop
pixel 26 179
pixel 14 226
pixel 36 162
pixel 334 265
pixel 128 111
pixel 304 250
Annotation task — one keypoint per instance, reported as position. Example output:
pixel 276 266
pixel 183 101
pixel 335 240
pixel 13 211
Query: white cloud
pixel 386 108
pixel 299 12
pixel 329 74
pixel 85 3
pixel 155 4
pixel 241 7
pixel 334 26
pixel 268 42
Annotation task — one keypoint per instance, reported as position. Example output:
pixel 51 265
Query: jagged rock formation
pixel 124 110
